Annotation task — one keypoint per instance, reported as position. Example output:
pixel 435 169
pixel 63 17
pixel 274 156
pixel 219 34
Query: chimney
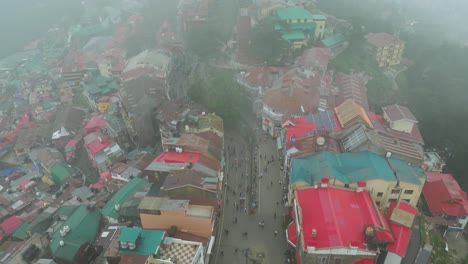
pixel 324 182
pixel 361 185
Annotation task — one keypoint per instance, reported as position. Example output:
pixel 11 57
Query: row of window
pixel 394 200
pixel 396 191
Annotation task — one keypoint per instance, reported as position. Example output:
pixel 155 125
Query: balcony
pixel 275 117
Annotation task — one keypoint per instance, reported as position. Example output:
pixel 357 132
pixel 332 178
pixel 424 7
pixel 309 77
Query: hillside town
pixel 106 158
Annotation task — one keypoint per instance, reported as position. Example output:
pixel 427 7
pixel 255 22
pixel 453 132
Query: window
pixel 346 185
pixel 409 191
pixel 395 191
pixel 379 194
pixel 322 260
pixel 377 203
pixel 407 200
pixel 337 261
pixel 392 200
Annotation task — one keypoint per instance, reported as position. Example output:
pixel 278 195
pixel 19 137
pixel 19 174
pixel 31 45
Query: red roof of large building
pixel 383 39
pixel 292 100
pixel 401 232
pixel 263 76
pixel 11 224
pixel 316 58
pixel 339 218
pixel 95 142
pixel 175 157
pixel 352 86
pixel 444 195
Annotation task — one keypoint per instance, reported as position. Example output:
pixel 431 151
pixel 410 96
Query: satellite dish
pixel 320 141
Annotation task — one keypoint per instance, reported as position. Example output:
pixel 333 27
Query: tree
pixel 201 40
pixel 267 45
pixel 221 94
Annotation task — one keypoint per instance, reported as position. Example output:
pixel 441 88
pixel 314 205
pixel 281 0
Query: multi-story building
pixel 297 25
pixel 163 213
pixel 388 179
pixel 387 49
pixel 445 199
pixel 298 96
pixel 337 225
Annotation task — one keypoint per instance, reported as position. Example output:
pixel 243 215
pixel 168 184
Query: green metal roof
pixel 21 231
pixel 121 196
pixel 62 170
pixel 66 210
pixel 319 17
pixel 147 244
pixel 130 234
pixel 349 167
pixel 304 26
pixel 333 40
pixel 294 13
pixel 84 226
pixel 293 35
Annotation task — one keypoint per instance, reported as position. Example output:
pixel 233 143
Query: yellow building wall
pixel 103 106
pixel 193 225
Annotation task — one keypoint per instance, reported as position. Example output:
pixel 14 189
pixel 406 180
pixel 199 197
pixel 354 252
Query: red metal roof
pixel 174 157
pixel 98 145
pixel 263 76
pixel 11 224
pixel 315 57
pixel 339 216
pixel 400 232
pixel 352 86
pixel 95 122
pixel 444 195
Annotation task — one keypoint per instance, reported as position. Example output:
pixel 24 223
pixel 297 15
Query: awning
pixel 291 234
pixel 279 143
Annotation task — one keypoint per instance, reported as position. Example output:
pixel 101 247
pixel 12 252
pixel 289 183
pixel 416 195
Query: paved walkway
pixel 261 245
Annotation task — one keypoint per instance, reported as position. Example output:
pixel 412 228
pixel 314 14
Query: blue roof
pixel 349 167
pixel 406 172
pixel 294 13
pixel 147 244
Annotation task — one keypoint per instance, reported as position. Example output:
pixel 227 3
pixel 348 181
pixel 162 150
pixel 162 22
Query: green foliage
pixel 202 41
pixel 221 94
pixel 267 45
pixel 439 254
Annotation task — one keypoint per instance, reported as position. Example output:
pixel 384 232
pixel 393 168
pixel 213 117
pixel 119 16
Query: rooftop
pixel 340 218
pixel 383 39
pixel 353 87
pixel 333 40
pixel 315 57
pixel 400 217
pixel 163 204
pixel 444 195
pixel 10 224
pixel 83 225
pixel 350 112
pixel 349 167
pixel 147 244
pixel 121 196
pixel 294 13
pixel 397 112
pixel 183 251
pixel 294 100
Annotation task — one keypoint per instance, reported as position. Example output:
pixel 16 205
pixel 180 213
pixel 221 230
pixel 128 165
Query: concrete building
pixel 297 25
pixel 163 213
pixel 388 179
pixel 387 49
pixel 336 225
pixel 446 200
